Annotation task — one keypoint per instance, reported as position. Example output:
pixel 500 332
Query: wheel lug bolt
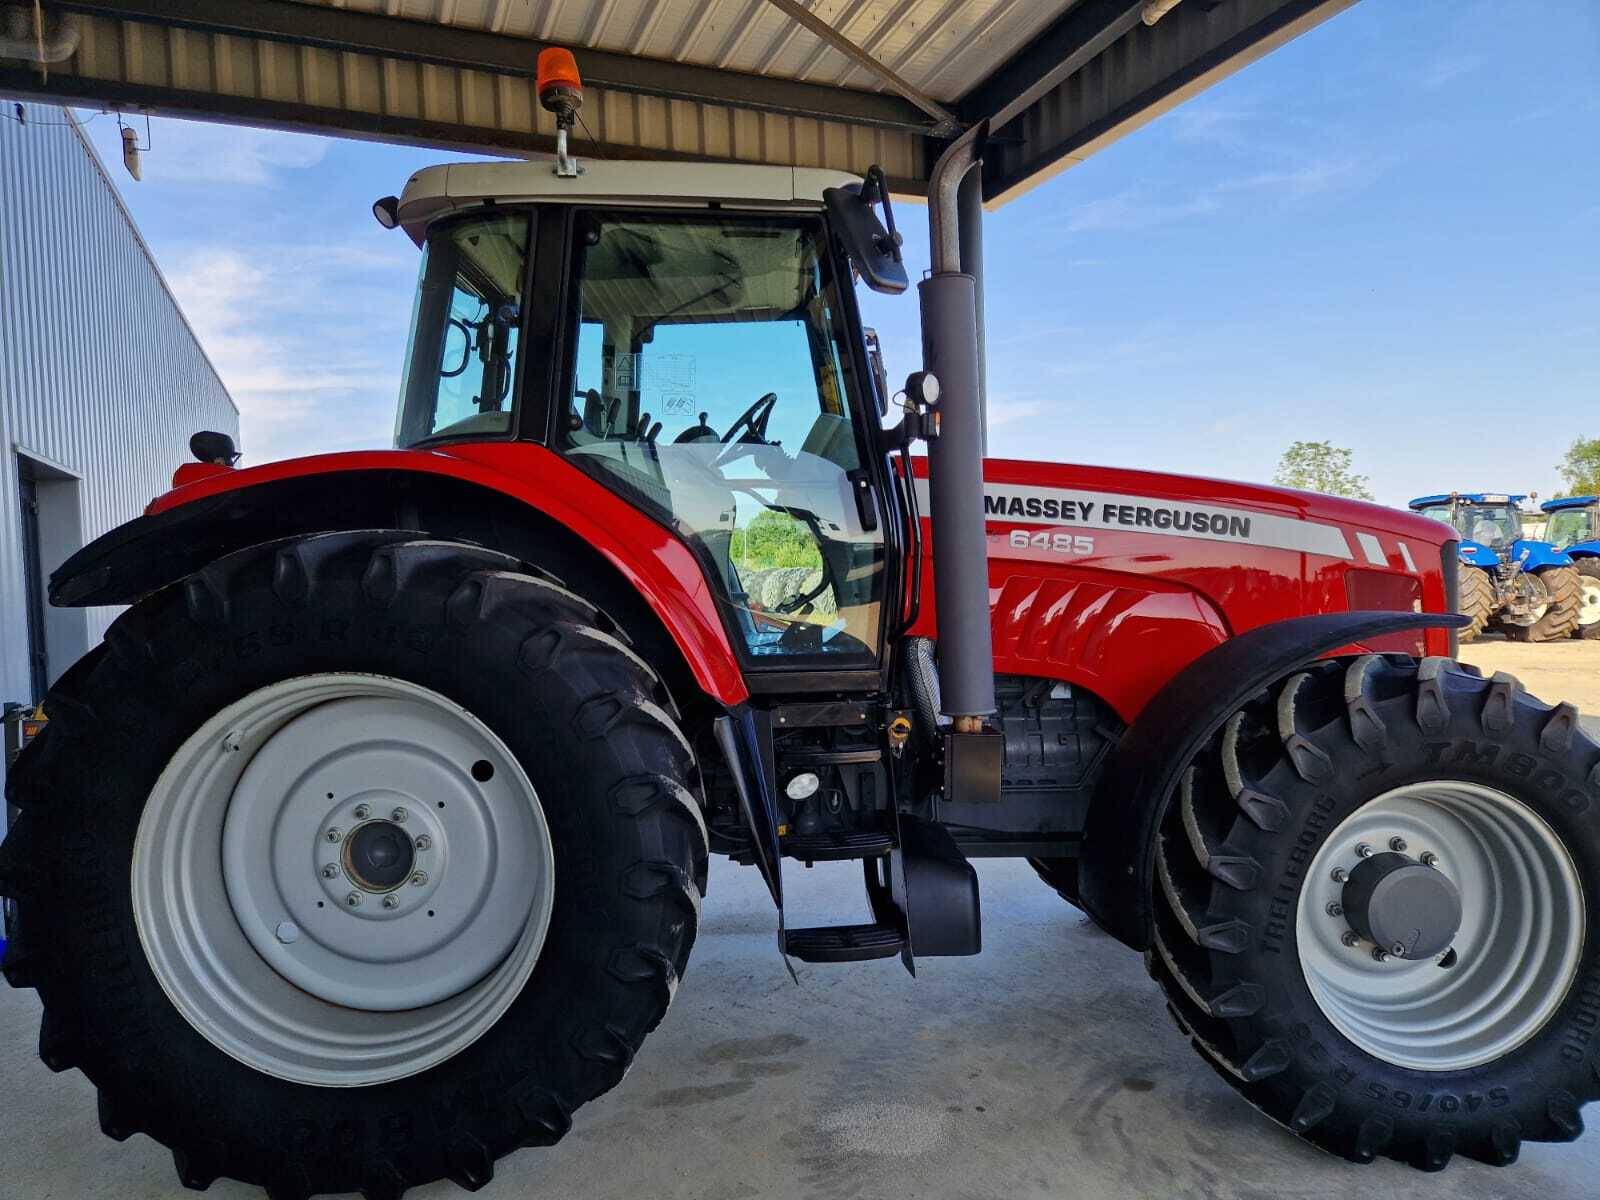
pixel 1349 938
pixel 353 899
pixel 398 816
pixel 1397 844
pixel 1379 954
pixel 331 871
pixel 287 931
pixel 424 842
pixel 363 811
pixel 1335 909
pixel 391 901
pixel 1398 949
pixel 1363 851
pixel 333 835
pixel 1429 858
pixel 1340 874
pixel 419 878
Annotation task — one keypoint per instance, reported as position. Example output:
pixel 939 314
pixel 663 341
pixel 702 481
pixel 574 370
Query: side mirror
pixel 209 446
pixel 880 376
pixel 874 250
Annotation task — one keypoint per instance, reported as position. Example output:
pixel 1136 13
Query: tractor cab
pixel 1572 521
pixel 696 351
pixel 1487 519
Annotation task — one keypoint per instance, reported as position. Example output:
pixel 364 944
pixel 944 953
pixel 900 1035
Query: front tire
pixel 375 1080
pixel 1588 599
pixel 1470 1052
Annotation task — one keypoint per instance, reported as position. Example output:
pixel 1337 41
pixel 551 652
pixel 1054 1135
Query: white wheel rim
pixel 1516 951
pixel 241 893
pixel 1589 602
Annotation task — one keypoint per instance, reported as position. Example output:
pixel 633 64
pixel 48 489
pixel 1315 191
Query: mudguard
pixel 1115 870
pixel 492 492
pixel 1536 556
pixel 1476 554
pixel 1583 550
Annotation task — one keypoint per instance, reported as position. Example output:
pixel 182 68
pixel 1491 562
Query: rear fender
pixel 1116 866
pixel 1583 550
pixel 519 499
pixel 1476 554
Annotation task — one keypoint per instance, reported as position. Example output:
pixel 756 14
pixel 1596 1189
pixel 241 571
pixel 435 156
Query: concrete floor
pixel 1045 1067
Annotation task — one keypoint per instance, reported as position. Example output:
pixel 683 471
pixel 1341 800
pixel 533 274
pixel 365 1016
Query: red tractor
pixel 371 843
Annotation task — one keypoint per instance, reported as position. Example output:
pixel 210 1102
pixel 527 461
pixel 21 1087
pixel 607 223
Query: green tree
pixel 1581 467
pixel 774 540
pixel 1321 467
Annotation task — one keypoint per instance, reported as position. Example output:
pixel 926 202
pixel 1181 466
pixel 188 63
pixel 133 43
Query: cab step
pixel 836 847
pixel 843 943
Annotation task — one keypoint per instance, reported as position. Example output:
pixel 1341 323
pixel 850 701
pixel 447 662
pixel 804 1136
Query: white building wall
pixel 101 378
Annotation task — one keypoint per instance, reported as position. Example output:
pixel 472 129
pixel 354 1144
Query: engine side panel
pixel 1114 580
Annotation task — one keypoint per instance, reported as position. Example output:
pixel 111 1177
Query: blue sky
pixel 1386 234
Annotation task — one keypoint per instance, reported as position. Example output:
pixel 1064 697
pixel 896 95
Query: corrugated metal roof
pixel 739 80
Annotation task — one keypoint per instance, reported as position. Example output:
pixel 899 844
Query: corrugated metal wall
pixel 100 375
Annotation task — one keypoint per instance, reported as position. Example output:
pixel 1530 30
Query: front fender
pixel 498 491
pixel 1536 556
pixel 1476 554
pixel 1117 863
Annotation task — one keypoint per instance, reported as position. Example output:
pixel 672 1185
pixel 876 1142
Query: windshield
pixel 461 361
pixel 1488 524
pixel 711 386
pixel 1569 525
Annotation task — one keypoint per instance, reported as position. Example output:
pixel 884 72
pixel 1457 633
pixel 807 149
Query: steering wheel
pixel 753 420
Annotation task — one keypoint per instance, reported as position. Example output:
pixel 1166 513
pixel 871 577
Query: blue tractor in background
pixel 1528 589
pixel 1574 529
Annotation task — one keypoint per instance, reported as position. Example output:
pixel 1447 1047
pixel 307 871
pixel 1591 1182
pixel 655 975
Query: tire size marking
pixel 1076 545
pixel 1441 1102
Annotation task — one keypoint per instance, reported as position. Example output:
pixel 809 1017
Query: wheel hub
pixel 1395 902
pixel 378 856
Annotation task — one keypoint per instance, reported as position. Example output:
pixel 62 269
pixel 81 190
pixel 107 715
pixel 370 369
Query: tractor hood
pixel 1335 523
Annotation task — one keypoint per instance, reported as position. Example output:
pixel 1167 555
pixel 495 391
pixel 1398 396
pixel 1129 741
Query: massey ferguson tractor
pixel 371 843
pixel 1527 589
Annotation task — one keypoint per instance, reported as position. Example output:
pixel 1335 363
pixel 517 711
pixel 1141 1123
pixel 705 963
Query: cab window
pixel 465 329
pixel 710 385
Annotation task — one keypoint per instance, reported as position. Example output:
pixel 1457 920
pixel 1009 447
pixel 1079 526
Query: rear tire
pixel 1246 920
pixel 578 712
pixel 1588 598
pixel 1563 585
pixel 1477 601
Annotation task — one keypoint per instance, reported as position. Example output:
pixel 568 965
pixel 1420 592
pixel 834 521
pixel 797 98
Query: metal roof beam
pixel 356 32
pixel 1098 97
pixel 1071 40
pixel 948 124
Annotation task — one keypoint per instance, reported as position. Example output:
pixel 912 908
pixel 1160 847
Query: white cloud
pixel 301 337
pixel 188 152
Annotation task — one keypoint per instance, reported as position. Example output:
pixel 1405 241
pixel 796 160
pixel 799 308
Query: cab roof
pixel 1569 502
pixel 1469 497
pixel 435 191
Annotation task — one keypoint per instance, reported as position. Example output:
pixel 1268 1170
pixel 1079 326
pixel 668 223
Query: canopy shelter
pixel 824 83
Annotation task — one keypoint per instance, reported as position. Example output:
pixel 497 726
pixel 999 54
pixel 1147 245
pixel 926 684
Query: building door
pixel 33 582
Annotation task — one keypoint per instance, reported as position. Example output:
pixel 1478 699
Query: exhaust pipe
pixel 28 35
pixel 955 458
